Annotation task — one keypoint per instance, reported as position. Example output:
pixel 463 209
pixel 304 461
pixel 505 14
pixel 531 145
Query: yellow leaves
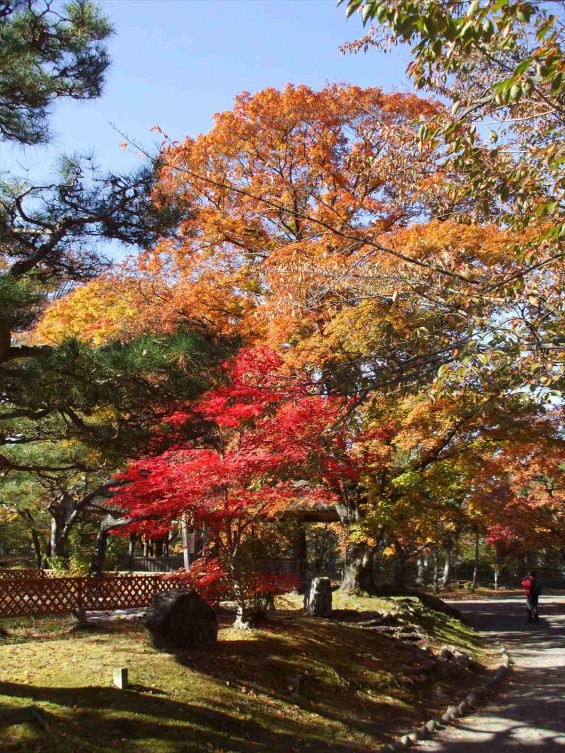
pixel 99 312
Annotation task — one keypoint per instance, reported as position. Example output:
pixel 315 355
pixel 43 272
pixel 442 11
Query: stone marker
pixel 181 620
pixel 121 677
pixel 318 598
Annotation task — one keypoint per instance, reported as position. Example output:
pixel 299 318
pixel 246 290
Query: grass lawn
pixel 296 684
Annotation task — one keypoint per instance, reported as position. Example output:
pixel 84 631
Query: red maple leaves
pixel 267 443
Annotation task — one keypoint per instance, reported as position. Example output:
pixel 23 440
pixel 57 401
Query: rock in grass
pixel 318 598
pixel 450 714
pixel 181 620
pixel 451 654
pixel 422 732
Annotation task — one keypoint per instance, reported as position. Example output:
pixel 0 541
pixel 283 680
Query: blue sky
pixel 177 62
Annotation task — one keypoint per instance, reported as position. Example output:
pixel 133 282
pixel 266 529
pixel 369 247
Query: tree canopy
pixel 46 53
pixel 394 280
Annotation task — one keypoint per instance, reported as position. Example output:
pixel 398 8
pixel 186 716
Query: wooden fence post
pixel 80 612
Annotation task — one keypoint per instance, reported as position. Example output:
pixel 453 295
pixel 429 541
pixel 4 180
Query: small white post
pixel 185 543
pixel 121 677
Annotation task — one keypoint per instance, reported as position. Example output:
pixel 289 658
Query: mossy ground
pixel 295 685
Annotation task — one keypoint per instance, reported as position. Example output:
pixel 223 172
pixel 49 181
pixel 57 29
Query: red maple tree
pixel 267 444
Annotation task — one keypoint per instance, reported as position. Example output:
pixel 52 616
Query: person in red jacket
pixel 532 590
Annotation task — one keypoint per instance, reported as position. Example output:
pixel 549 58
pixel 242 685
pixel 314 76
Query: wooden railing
pixel 37 596
pixel 151 564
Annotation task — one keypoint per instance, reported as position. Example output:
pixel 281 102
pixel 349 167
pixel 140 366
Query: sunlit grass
pixel 296 684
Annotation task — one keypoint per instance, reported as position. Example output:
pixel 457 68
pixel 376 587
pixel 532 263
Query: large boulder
pixel 181 620
pixel 318 598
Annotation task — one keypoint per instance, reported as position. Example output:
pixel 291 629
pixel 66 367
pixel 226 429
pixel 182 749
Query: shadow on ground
pixel 104 719
pixel 529 713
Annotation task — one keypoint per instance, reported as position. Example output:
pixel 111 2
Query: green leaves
pixel 45 55
pixel 502 64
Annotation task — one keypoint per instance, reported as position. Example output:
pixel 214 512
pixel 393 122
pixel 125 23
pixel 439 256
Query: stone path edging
pixel 452 712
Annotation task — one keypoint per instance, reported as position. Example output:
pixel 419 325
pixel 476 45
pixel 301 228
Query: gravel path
pixel 529 715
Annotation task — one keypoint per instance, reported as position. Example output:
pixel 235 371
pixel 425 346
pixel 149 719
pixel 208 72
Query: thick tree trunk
pixel 358 575
pixel 56 542
pixel 358 569
pixel 63 519
pixel 244 618
pixel 99 553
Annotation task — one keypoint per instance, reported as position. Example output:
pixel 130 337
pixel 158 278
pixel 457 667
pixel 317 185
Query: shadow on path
pixel 529 713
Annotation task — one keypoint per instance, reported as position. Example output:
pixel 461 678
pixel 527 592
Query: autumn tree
pixel 241 472
pixel 317 222
pixel 500 66
pixel 320 225
pixel 311 148
pixel 517 491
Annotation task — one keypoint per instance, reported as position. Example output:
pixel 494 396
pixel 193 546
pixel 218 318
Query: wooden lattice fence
pixel 39 596
pixel 18 574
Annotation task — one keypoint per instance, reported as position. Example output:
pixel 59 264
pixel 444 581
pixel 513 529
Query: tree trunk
pixel 36 547
pixel 358 576
pixel 244 618
pixel 35 540
pixel 399 575
pixel 131 549
pixel 99 554
pixel 299 555
pixel 56 544
pixel 447 565
pixel 496 573
pixel 420 570
pixel 476 565
pixel 62 521
pixel 435 581
pixel 358 569
pixel 185 544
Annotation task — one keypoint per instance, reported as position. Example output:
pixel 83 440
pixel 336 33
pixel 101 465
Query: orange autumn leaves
pixel 301 232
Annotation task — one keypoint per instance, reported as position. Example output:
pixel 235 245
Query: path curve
pixel 529 715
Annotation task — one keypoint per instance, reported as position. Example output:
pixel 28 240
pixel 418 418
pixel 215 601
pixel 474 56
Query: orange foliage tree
pixel 315 223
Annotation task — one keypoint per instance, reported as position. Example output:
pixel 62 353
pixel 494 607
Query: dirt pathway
pixel 529 715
